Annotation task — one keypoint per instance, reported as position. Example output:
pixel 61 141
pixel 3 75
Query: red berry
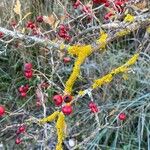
pixel 23 94
pixel 108 15
pixel 29 24
pixel 58 100
pixel 119 3
pixel 39 19
pixel 86 9
pixel 66 59
pixel 67 38
pixel 107 4
pixel 67 98
pixel 21 129
pixel 62 27
pixel 122 116
pixel 27 66
pixel 93 107
pixel 76 4
pixel 67 109
pixel 1 34
pixel 21 89
pixel 18 141
pixel 26 88
pixel 28 74
pixel 62 34
pixel 99 1
pixel 2 111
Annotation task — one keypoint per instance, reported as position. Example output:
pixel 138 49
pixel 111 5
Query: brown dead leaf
pixel 142 4
pixel 51 20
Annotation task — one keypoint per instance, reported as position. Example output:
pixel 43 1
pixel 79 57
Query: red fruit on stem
pixel 66 59
pixel 108 15
pixel 58 100
pixel 119 3
pixel 86 9
pixel 93 107
pixel 39 19
pixel 99 1
pixel 122 116
pixel 62 34
pixel 21 129
pixel 18 141
pixel 107 4
pixel 29 23
pixel 62 27
pixel 1 34
pixel 26 88
pixel 76 4
pixel 28 74
pixel 23 94
pixel 2 111
pixel 67 109
pixel 21 89
pixel 67 98
pixel 27 66
pixel 67 38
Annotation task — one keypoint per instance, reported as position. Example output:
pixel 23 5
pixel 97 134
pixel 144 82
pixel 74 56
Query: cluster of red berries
pixel 33 26
pixel 1 34
pixel 93 107
pixel 28 73
pixel 76 4
pixel 59 99
pixel 20 130
pixel 23 90
pixel 2 111
pixel 63 32
pixel 84 8
pixel 117 6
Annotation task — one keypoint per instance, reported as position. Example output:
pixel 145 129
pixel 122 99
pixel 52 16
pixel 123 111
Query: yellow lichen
pixel 81 93
pixel 82 52
pixel 123 32
pixel 74 50
pixel 99 82
pixel 49 118
pixel 108 78
pixel 60 126
pixel 132 60
pixel 129 18
pixel 103 40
